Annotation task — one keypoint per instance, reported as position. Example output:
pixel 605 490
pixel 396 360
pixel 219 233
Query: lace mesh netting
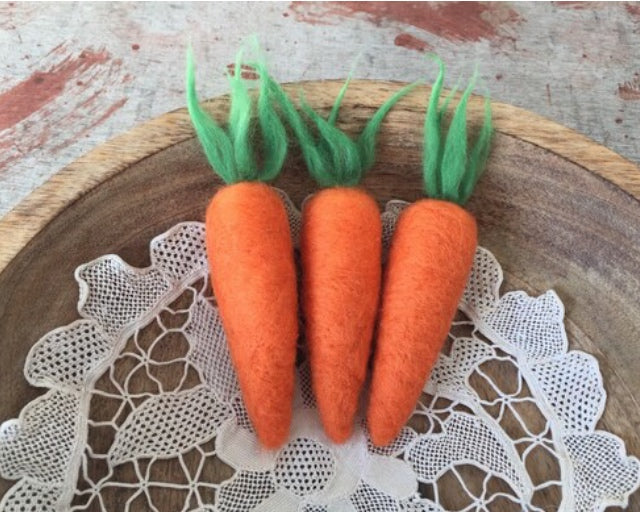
pixel 142 409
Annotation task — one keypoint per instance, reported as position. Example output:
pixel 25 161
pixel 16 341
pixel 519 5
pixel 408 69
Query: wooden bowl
pixel 557 210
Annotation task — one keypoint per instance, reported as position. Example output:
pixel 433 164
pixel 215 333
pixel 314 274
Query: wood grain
pixel 557 210
pixel 116 155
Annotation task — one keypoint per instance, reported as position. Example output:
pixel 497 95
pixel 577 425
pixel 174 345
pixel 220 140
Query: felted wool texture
pixel 254 281
pixel 332 157
pixel 430 258
pixel 231 150
pixel 341 246
pixel 450 171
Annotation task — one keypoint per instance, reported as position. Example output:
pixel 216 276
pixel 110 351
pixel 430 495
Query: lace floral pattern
pixel 143 410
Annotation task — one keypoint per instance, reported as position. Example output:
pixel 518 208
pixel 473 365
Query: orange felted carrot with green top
pixel 341 246
pixel 250 254
pixel 430 259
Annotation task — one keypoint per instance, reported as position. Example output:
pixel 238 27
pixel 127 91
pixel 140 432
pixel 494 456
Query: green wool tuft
pixel 230 151
pixel 450 171
pixel 332 157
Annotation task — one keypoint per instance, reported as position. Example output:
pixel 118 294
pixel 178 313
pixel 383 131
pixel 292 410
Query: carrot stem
pixel 332 157
pixel 230 150
pixel 449 171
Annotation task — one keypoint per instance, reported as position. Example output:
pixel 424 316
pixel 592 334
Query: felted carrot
pixel 341 245
pixel 251 254
pixel 430 258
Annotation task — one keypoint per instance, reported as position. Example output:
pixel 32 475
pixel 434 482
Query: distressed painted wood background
pixel 74 74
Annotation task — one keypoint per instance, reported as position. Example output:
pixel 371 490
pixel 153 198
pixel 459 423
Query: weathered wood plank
pixel 74 75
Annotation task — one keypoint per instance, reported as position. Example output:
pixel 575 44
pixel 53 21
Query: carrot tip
pixel 339 434
pixel 272 440
pixel 380 440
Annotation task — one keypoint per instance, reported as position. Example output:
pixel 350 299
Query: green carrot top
pixel 332 157
pixel 230 150
pixel 451 173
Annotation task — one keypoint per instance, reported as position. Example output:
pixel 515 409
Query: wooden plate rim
pixel 105 161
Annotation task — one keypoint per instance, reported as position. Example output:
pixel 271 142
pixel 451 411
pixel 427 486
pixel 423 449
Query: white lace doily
pixel 143 412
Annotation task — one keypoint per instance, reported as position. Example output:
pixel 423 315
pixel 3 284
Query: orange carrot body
pixel 341 244
pixel 429 262
pixel 254 281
